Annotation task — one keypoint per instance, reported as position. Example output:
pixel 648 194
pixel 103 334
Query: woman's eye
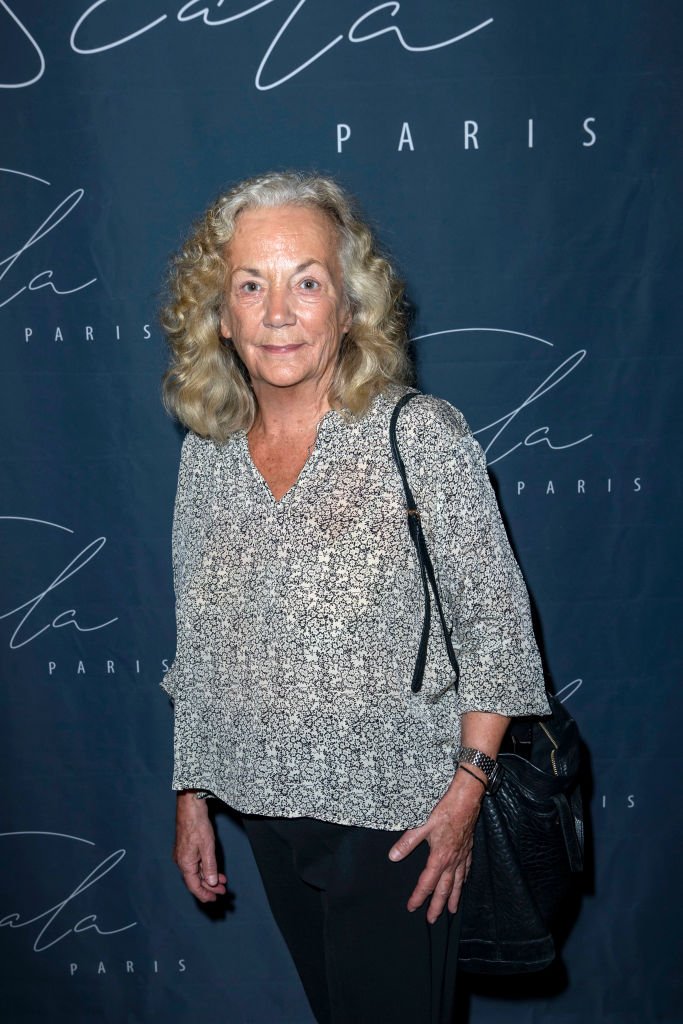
pixel 249 286
pixel 309 284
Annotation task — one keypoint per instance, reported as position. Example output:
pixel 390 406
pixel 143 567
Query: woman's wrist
pixel 474 773
pixel 479 764
pixel 467 787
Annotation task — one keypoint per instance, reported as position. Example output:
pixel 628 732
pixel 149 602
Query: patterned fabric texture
pixel 298 620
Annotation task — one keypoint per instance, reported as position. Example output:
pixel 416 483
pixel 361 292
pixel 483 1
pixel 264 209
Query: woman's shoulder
pixel 426 418
pixel 197 454
pixel 194 447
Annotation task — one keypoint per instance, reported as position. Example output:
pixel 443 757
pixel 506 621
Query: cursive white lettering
pixel 569 689
pixel 53 219
pixel 36 49
pixel 85 924
pixel 276 39
pixel 183 14
pixel 67 617
pixel 394 9
pixel 107 46
pixel 550 382
pixel 196 10
pixel 566 367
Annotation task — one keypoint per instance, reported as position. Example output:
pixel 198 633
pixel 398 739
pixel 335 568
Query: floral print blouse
pixel 298 620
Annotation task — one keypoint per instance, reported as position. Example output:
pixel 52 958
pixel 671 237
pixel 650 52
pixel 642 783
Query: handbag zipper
pixel 555 747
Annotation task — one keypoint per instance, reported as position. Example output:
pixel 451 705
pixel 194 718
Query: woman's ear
pixel 347 322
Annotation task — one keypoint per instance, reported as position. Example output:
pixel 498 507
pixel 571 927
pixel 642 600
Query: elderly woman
pixel 300 605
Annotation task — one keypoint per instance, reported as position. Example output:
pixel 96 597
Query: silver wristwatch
pixel 489 766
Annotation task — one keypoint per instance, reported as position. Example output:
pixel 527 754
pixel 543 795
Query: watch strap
pixel 478 759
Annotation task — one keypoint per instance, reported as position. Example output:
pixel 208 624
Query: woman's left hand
pixel 449 830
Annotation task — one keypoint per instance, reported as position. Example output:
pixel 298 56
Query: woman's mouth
pixel 282 349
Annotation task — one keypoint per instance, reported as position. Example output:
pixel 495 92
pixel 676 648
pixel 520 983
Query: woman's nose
pixel 278 310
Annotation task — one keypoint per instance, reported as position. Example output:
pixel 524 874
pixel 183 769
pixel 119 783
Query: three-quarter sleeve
pixel 185 679
pixel 481 582
pixel 182 514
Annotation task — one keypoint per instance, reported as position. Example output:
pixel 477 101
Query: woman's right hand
pixel 195 848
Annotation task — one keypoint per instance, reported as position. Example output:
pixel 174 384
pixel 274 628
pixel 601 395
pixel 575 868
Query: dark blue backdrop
pixel 523 164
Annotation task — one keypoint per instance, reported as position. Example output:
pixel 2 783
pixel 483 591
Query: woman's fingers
pixel 444 873
pixel 447 891
pixel 426 884
pixel 212 888
pixel 197 882
pixel 443 884
pixel 456 891
pixel 443 890
pixel 211 881
pixel 207 859
pixel 408 841
pixel 195 851
pixel 211 893
pixel 450 838
pixel 189 865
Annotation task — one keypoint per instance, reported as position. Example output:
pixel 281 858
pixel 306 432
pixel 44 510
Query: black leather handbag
pixel 528 840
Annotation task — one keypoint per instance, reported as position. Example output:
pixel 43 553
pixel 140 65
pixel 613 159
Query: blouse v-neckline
pixel 310 458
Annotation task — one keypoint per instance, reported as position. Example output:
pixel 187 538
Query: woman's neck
pixel 287 412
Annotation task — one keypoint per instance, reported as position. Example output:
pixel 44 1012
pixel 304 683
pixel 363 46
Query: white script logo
pixel 12 262
pixel 49 922
pixel 541 434
pixel 30 605
pixel 376 21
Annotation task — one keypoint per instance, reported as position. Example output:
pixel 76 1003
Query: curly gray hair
pixel 206 384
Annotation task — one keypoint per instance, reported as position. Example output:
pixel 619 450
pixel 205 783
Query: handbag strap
pixel 427 574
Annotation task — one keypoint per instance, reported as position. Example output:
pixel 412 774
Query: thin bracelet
pixel 462 767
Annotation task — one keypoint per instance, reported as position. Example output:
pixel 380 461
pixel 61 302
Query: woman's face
pixel 284 307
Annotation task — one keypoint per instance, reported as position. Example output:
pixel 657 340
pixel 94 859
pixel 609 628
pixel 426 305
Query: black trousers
pixel 340 904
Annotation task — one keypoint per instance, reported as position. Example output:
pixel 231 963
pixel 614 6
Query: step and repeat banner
pixel 522 162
